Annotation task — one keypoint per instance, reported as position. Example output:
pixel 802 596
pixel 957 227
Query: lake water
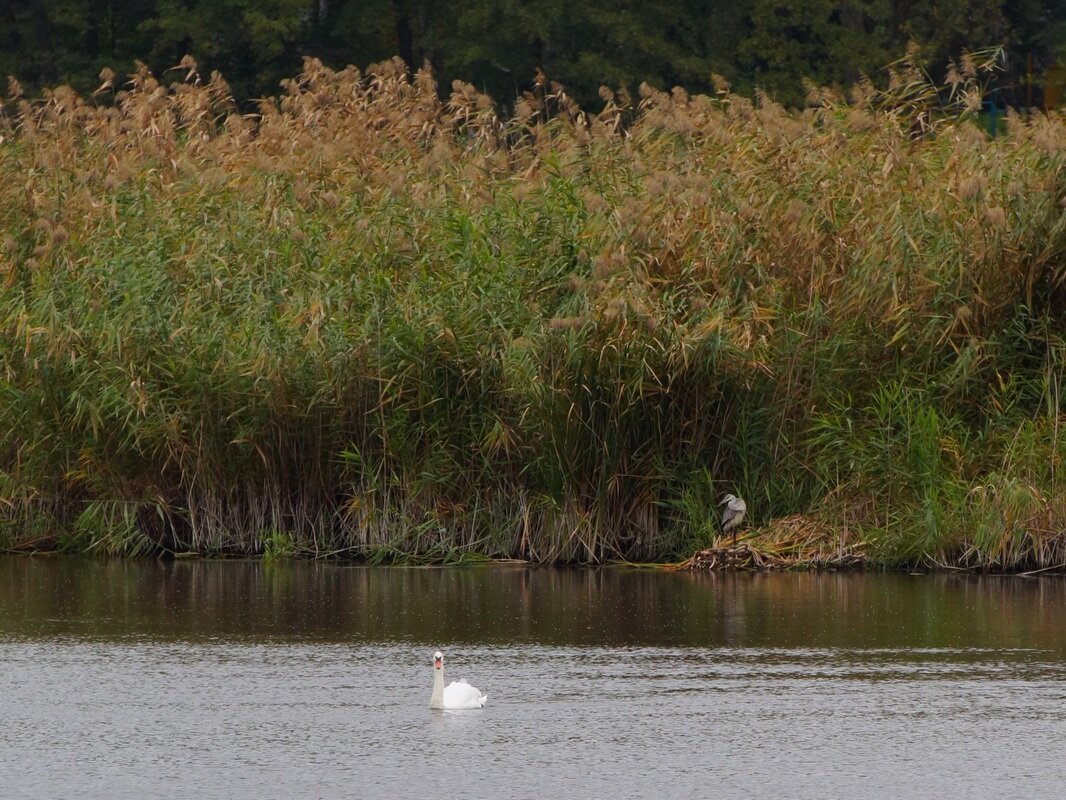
pixel 245 680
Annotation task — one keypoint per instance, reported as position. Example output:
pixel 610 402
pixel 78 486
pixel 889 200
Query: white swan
pixel 458 694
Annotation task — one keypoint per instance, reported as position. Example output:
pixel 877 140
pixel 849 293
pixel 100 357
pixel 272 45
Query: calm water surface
pixel 242 680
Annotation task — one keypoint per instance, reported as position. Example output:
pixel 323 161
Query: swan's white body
pixel 457 694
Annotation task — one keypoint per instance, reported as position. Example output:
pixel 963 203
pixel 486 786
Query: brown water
pixel 241 680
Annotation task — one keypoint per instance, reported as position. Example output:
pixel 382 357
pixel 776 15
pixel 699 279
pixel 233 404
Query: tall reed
pixel 366 321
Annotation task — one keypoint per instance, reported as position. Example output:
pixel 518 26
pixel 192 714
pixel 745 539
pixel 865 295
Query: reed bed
pixel 369 322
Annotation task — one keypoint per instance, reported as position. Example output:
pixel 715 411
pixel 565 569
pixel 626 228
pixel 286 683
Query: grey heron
pixel 735 509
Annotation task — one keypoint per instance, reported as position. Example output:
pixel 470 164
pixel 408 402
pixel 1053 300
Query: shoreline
pixel 750 555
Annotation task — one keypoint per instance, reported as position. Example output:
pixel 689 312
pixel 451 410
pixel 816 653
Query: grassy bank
pixel 369 322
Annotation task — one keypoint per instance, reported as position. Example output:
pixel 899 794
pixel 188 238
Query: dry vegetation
pixel 366 321
pixel 786 543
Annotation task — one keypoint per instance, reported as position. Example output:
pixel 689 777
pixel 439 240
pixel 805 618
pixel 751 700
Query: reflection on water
pixel 199 679
pixel 323 602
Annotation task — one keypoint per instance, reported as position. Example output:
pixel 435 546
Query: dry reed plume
pixel 368 321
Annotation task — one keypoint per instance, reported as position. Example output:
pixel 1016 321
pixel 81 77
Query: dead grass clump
pixel 793 542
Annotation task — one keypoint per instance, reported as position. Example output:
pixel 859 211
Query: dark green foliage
pixel 498 45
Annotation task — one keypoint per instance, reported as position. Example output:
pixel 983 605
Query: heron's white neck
pixel 437 700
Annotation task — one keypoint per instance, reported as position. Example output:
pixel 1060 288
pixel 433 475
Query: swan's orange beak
pixel 436 663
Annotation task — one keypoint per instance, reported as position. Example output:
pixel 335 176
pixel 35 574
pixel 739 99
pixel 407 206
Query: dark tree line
pixel 499 44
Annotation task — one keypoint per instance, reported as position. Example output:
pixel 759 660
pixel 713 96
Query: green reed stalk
pixel 366 322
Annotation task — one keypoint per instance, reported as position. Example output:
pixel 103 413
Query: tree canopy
pixel 498 45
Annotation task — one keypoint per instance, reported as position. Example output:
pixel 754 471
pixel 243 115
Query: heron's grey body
pixel 735 509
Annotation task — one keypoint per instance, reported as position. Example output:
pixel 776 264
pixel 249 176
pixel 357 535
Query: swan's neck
pixel 437 700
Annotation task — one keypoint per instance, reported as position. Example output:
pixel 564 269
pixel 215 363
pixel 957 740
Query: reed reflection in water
pixel 215 679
